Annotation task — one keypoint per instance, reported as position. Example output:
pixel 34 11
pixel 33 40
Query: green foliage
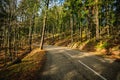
pixel 103 45
pixel 24 31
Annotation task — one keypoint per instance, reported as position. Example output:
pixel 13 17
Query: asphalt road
pixel 67 64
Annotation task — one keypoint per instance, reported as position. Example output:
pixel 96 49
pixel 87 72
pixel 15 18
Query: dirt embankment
pixel 108 47
pixel 28 69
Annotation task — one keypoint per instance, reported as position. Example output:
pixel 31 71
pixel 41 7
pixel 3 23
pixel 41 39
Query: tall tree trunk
pixel 97 20
pixel 107 18
pixel 31 32
pixel 9 33
pixel 44 24
pixel 71 26
pixel 30 35
pixel 43 32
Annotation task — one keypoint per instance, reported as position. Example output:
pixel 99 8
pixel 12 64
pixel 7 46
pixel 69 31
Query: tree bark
pixel 44 24
pixel 71 26
pixel 31 32
pixel 97 20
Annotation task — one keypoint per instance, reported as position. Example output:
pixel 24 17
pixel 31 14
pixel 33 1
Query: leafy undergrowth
pixel 28 69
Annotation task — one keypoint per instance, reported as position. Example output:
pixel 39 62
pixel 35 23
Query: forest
pixel 88 25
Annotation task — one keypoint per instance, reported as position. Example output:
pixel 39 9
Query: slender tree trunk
pixel 44 24
pixel 80 31
pixel 9 35
pixel 71 26
pixel 53 33
pixel 30 35
pixel 43 32
pixel 5 42
pixel 31 32
pixel 97 20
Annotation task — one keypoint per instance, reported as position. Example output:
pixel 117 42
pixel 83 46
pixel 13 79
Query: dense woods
pixel 24 22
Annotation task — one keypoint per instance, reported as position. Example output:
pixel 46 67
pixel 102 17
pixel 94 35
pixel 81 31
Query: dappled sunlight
pixel 82 55
pixel 100 65
pixel 53 69
pixel 35 51
pixel 32 31
pixel 51 48
pixel 70 75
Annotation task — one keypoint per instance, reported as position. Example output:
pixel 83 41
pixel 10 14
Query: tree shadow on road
pixel 60 66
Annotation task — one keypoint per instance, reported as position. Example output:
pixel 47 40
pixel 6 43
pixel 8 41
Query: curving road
pixel 67 64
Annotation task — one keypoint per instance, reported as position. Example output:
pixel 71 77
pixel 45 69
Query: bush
pixel 105 45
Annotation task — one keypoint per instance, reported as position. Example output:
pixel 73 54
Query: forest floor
pixel 20 52
pixel 29 67
pixel 32 64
